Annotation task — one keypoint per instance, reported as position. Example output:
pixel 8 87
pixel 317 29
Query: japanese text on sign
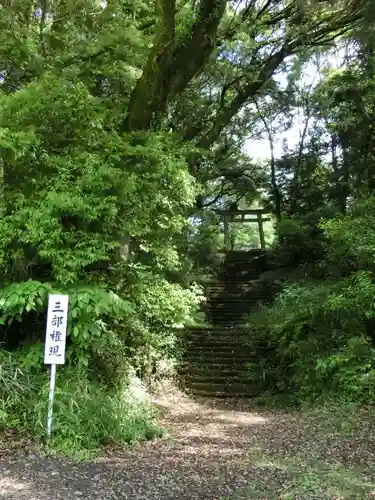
pixel 54 351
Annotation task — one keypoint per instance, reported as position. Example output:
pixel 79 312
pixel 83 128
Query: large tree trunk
pixel 172 63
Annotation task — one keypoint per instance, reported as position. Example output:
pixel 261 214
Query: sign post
pixel 54 349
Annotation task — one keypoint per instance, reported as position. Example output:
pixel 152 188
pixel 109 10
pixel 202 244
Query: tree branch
pixel 226 114
pixel 275 187
pixel 323 32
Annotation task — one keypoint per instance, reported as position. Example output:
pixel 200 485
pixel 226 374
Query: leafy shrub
pixel 350 240
pixel 86 414
pixel 317 335
pixel 94 315
pixel 104 330
pixel 301 239
pixel 320 333
pixel 162 307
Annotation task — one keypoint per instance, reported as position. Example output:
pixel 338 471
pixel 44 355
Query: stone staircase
pixel 216 359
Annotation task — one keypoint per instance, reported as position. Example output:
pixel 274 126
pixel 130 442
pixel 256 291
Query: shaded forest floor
pixel 214 451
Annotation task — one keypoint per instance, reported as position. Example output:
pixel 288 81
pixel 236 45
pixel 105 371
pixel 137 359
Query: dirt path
pixel 214 451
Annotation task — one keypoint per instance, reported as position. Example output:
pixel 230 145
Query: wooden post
pixel 261 232
pixel 226 233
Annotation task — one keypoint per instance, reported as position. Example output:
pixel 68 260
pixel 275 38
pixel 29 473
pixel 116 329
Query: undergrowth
pixel 87 415
pixel 319 331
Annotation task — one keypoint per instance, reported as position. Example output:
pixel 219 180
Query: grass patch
pixel 296 478
pixel 87 415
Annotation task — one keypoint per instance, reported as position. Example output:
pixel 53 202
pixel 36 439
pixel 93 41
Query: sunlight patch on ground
pixel 10 486
pixel 241 418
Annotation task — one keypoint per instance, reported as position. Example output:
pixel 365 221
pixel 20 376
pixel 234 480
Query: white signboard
pixel 57 315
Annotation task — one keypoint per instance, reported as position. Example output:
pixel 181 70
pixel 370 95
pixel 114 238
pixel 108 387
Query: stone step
pixel 218 343
pixel 227 320
pixel 231 285
pixel 222 395
pixel 229 309
pixel 235 352
pixel 239 276
pixel 232 307
pixel 232 282
pixel 243 265
pixel 233 333
pixel 222 359
pixel 252 252
pixel 230 299
pixel 226 296
pixel 213 340
pixel 215 332
pixel 253 264
pixel 207 329
pixel 230 293
pixel 230 312
pixel 237 295
pixel 236 299
pixel 219 363
pixel 224 362
pixel 219 370
pixel 216 346
pixel 192 380
pixel 219 321
pixel 210 342
pixel 220 349
pixel 236 280
pixel 226 390
pixel 216 358
pixel 253 267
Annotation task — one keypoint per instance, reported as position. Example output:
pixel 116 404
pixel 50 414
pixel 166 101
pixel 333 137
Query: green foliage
pixel 94 315
pixel 20 298
pixel 350 239
pixel 204 241
pixel 161 308
pixel 103 328
pixel 74 190
pixel 319 344
pixel 320 332
pixel 300 239
pixel 86 414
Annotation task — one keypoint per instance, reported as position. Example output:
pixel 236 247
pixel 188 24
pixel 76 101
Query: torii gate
pixel 250 215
